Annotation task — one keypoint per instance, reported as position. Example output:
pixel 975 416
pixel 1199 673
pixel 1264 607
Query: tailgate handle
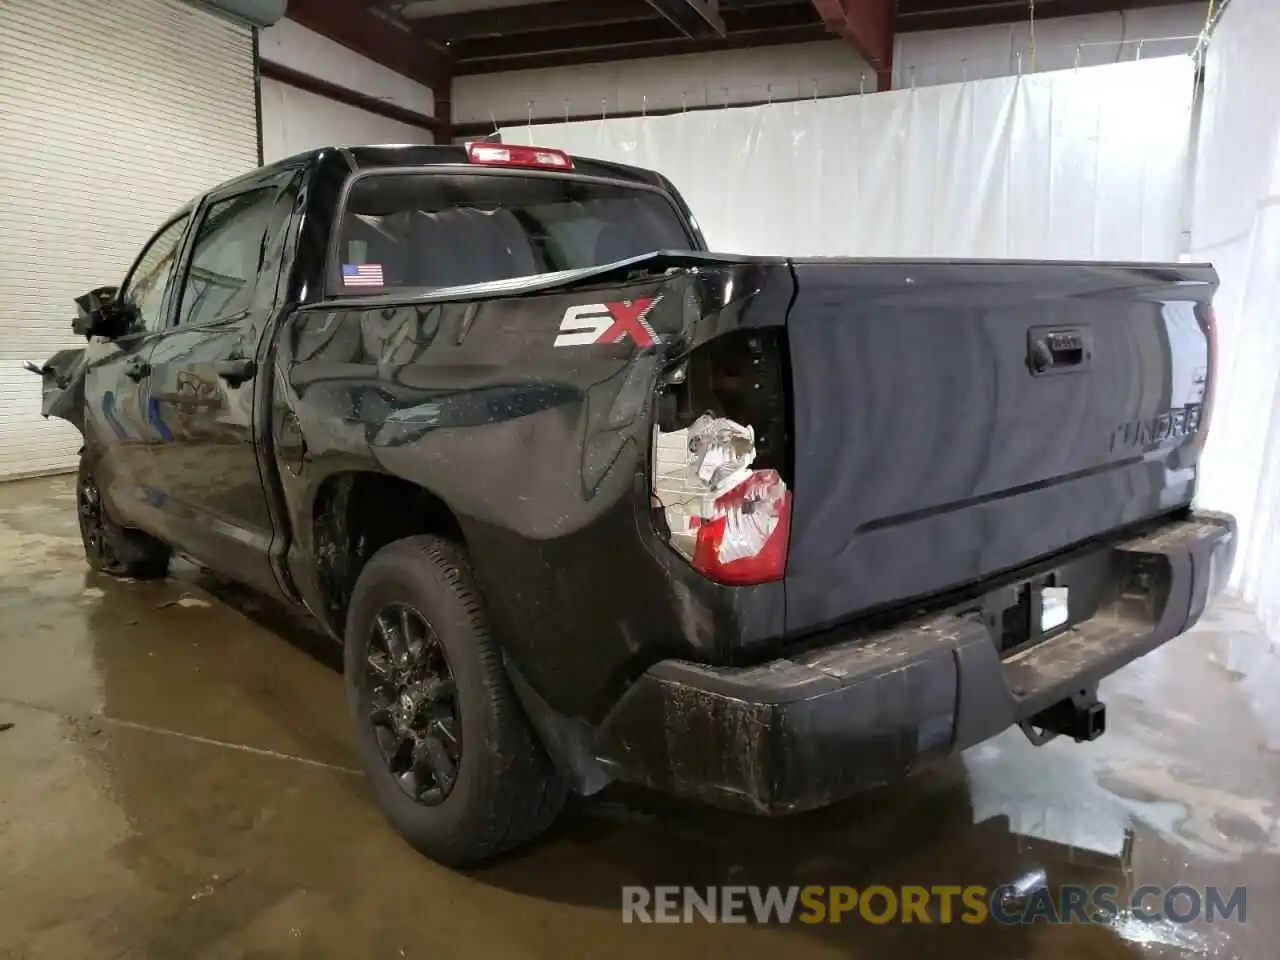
pixel 1058 350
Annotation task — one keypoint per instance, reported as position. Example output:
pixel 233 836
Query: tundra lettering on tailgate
pixel 588 323
pixel 1170 425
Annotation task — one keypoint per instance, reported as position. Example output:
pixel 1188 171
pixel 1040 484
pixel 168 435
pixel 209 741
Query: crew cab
pixel 585 502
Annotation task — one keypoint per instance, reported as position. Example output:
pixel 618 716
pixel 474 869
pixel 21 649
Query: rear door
pixel 203 373
pixel 955 420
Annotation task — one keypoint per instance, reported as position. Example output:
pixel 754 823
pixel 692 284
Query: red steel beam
pixel 867 26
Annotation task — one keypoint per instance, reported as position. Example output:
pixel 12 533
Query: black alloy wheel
pixel 419 663
pixel 92 525
pixel 413 704
pixel 108 547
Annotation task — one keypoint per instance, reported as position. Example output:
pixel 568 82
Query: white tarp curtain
pixel 1077 164
pixel 1236 225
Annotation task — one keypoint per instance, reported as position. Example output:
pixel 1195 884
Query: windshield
pixel 434 230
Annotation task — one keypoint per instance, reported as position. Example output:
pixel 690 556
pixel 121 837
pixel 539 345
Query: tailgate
pixel 955 420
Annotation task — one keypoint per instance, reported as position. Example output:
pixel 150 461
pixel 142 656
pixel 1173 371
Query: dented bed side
pixel 459 397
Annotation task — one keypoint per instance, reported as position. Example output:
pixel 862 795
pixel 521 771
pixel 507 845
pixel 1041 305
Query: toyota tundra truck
pixel 584 502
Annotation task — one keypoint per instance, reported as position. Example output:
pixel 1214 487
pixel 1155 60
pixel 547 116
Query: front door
pixel 120 420
pixel 204 368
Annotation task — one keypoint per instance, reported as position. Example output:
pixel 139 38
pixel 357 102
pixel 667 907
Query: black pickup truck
pixel 585 502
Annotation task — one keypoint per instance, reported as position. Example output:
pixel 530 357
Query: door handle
pixel 1059 350
pixel 236 370
pixel 135 368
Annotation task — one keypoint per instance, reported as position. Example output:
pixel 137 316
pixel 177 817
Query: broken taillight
pixel 728 517
pixel 744 538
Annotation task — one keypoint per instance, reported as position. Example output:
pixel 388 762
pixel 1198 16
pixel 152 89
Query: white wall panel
pixel 658 83
pixel 112 115
pixel 295 120
pixel 294 46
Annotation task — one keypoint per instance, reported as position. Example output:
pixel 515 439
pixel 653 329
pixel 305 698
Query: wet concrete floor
pixel 178 781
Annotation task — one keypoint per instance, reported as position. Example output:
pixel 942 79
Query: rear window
pixel 436 230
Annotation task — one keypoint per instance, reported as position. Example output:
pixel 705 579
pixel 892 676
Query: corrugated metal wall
pixel 112 115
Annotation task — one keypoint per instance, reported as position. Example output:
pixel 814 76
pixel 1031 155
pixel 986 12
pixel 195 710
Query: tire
pixel 110 548
pixel 503 790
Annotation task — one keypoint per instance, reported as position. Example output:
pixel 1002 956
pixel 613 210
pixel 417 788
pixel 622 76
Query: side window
pixel 145 286
pixel 226 257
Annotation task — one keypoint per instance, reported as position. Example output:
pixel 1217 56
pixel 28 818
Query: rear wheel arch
pixel 356 513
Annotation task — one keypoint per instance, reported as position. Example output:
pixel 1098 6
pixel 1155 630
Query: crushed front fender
pixel 63 387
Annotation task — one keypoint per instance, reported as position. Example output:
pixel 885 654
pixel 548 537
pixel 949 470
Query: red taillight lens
pixel 729 521
pixel 745 539
pixel 514 155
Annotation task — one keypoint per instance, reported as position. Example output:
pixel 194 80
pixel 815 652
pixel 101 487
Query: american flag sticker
pixel 362 274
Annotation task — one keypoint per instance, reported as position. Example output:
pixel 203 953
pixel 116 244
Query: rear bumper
pixel 851 712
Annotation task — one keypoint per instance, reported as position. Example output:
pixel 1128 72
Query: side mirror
pixel 99 313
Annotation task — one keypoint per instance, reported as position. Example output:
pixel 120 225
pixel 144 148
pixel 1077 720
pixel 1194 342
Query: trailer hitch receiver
pixel 1081 717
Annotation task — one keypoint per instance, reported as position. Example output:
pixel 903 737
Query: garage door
pixel 111 116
